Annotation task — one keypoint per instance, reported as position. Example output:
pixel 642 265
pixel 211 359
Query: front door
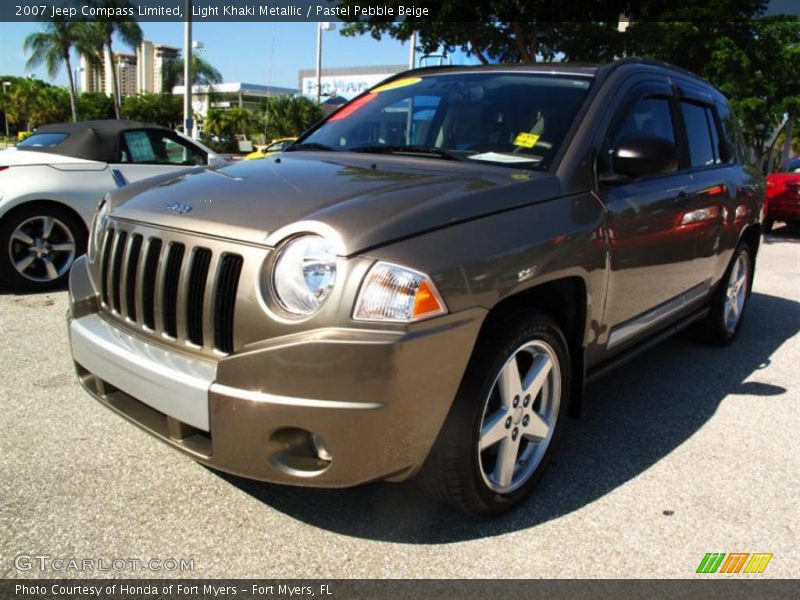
pixel 650 254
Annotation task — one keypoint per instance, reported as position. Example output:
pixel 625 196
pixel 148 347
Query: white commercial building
pixel 227 95
pixel 346 82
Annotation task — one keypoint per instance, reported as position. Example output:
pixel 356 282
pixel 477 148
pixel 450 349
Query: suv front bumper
pixel 328 408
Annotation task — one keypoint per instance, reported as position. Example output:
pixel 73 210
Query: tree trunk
pixel 114 86
pixel 478 53
pixel 73 103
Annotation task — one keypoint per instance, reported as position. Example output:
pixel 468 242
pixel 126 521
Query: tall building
pixel 152 62
pixel 135 73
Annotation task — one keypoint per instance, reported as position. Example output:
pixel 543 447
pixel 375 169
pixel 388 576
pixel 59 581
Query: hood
pixel 359 200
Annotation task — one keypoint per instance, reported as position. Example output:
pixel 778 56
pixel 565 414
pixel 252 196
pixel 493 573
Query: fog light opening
pixel 299 452
pixel 321 448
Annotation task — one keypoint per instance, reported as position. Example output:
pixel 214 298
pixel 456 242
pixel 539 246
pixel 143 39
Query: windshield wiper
pixel 429 151
pixel 309 146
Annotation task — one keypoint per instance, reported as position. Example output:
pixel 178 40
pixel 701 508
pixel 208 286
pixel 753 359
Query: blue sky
pixel 241 51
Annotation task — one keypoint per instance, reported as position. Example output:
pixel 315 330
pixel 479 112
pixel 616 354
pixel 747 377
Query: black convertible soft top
pixel 91 140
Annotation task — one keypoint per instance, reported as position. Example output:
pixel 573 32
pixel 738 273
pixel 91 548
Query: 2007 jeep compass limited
pixel 425 280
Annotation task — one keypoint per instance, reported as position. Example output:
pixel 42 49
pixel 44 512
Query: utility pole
pixel 6 84
pixel 188 124
pixel 320 28
pixel 412 51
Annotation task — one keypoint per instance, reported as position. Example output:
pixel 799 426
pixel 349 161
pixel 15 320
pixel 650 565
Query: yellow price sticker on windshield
pixel 400 83
pixel 526 140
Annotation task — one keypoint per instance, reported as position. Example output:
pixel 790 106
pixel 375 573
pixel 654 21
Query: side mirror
pixel 642 155
pixel 215 160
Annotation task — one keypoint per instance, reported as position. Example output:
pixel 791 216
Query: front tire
pixel 505 420
pixel 767 225
pixel 38 244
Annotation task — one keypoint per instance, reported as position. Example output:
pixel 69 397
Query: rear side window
pixel 731 147
pixel 43 140
pixel 702 134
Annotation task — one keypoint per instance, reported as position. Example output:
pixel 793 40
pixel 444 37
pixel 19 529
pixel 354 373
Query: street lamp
pixel 6 84
pixel 188 124
pixel 324 26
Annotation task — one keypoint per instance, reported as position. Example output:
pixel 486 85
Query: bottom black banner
pixel 378 589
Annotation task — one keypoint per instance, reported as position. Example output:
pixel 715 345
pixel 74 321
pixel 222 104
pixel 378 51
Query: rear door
pixel 712 214
pixel 149 152
pixel 650 254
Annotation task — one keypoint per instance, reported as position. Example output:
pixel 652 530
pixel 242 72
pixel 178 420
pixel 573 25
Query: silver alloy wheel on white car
pixel 519 417
pixel 736 292
pixel 41 248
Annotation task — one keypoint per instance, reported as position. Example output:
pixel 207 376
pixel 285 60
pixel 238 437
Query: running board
pixel 601 370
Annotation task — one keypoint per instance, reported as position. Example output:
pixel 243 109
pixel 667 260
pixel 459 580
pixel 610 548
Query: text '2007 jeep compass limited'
pixel 425 280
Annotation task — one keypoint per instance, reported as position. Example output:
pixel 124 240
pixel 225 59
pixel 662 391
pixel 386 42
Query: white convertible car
pixel 51 183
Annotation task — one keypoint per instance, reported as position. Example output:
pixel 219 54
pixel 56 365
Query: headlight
pixel 98 228
pixel 304 274
pixel 393 293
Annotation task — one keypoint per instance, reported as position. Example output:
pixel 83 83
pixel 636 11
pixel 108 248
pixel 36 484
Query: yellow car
pixel 273 147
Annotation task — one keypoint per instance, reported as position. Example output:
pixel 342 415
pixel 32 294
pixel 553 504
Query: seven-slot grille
pixel 167 287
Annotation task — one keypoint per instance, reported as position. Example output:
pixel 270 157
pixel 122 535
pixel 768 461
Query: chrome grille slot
pixel 224 303
pixel 104 284
pixel 116 271
pixel 149 283
pixel 133 268
pixel 176 287
pixel 198 275
pixel 170 296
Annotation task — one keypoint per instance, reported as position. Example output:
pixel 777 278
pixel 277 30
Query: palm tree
pixel 203 73
pixel 98 35
pixel 289 116
pixel 51 48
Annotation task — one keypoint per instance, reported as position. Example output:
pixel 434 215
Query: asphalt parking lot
pixel 688 450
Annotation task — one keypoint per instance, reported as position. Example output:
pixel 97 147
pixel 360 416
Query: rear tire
pixel 767 225
pixel 38 244
pixel 730 300
pixel 506 418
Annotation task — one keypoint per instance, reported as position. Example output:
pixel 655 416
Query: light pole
pixel 324 26
pixel 6 84
pixel 188 124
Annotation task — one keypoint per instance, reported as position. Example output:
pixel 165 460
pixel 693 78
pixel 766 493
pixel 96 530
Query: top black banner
pixel 306 10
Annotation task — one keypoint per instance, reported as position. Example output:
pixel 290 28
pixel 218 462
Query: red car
pixel 783 195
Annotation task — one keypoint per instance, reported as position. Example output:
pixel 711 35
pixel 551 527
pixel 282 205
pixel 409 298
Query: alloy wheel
pixel 736 292
pixel 519 417
pixel 41 248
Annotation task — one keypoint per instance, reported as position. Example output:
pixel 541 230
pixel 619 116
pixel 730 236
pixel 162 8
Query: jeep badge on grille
pixel 179 208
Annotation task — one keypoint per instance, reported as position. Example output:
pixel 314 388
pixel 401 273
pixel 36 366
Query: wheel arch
pixel 565 300
pixel 45 202
pixel 751 235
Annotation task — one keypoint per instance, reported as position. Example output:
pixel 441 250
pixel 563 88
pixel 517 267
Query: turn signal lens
pixel 397 294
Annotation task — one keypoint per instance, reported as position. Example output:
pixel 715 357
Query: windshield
pixel 512 119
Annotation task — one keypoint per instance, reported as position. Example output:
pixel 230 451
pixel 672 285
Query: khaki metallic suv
pixel 425 281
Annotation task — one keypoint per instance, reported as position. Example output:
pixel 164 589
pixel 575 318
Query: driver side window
pixel 650 116
pixel 154 147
